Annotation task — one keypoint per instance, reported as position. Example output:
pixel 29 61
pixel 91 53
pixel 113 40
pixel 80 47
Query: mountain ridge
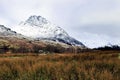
pixel 7 32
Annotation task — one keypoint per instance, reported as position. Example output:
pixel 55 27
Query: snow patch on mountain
pixel 7 32
pixel 4 31
pixel 39 28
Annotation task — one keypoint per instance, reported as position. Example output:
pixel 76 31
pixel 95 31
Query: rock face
pixel 39 28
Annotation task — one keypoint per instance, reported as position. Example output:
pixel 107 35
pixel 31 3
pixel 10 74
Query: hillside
pixel 17 45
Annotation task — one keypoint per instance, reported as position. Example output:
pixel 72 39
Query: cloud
pixel 92 40
pixel 22 9
pixel 101 17
pixel 78 17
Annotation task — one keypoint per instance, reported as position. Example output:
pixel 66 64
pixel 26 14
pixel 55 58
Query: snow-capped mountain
pixel 39 28
pixel 7 32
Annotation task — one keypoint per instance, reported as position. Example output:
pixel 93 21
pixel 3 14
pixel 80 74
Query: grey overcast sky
pixel 93 22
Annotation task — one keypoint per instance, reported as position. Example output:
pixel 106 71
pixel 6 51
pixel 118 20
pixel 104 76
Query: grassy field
pixel 97 65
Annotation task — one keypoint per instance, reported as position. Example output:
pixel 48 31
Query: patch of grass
pixel 99 65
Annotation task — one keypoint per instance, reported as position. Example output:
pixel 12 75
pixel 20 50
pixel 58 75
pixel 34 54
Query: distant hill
pixel 108 47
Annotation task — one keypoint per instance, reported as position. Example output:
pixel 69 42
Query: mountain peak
pixel 36 20
pixel 39 28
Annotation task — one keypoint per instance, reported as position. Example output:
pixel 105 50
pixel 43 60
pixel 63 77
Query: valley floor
pixel 97 65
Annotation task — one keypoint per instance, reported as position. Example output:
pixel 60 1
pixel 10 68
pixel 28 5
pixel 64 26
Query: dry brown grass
pixel 98 65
